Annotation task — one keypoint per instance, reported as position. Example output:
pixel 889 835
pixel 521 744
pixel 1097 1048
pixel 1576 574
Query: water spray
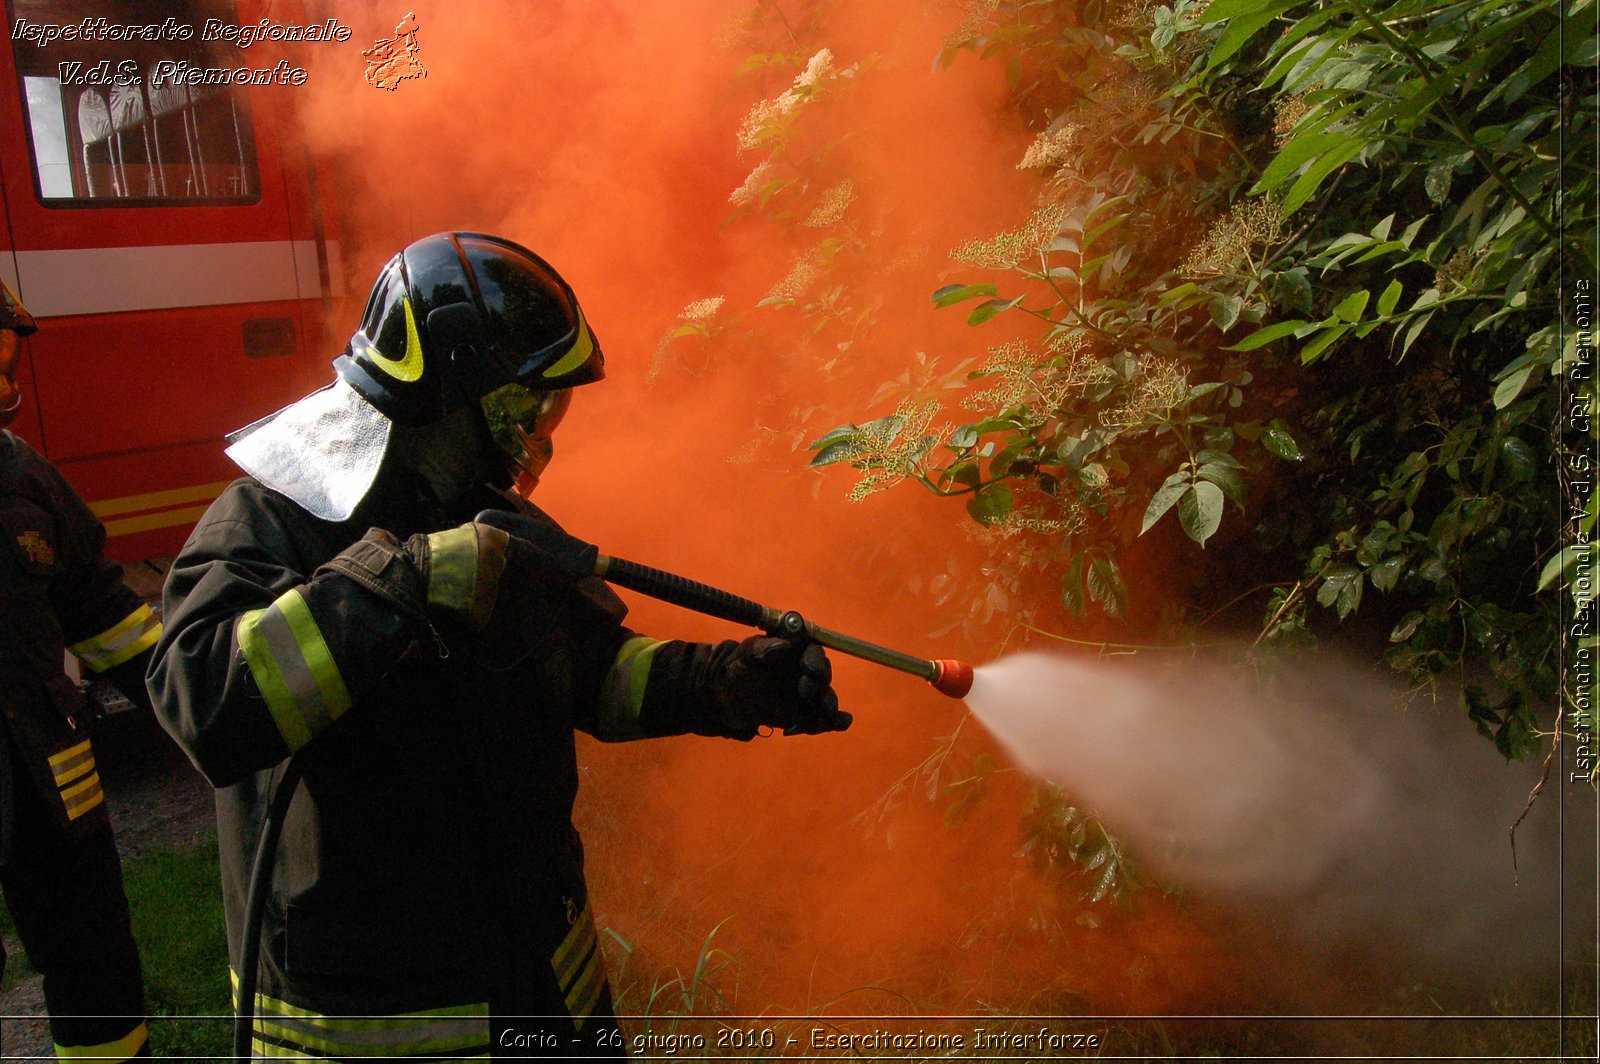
pixel 574 558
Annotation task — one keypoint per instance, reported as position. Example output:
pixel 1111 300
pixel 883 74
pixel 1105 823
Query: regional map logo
pixel 393 61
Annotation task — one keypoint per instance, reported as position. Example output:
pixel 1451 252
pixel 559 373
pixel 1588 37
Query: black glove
pixel 765 682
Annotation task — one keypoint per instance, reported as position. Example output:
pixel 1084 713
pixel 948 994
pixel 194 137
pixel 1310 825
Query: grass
pixel 175 898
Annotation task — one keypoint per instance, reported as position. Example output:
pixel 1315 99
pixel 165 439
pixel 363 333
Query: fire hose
pixel 565 555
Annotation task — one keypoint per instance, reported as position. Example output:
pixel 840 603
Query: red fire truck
pixel 171 240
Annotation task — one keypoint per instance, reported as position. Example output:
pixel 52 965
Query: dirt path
pixel 158 802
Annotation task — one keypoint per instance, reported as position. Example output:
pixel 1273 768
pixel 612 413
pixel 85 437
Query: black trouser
pixel 66 898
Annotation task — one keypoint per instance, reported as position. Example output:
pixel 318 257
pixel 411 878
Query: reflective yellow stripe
pixel 134 633
pixel 574 948
pixel 68 793
pixel 77 780
pixel 293 668
pixel 69 752
pixel 583 997
pixel 67 771
pixel 453 569
pixel 622 694
pixel 287 1031
pixel 84 797
pixel 121 1049
pixel 578 354
pixel 579 969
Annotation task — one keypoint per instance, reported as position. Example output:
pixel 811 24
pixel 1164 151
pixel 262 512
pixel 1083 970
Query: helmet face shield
pixel 521 422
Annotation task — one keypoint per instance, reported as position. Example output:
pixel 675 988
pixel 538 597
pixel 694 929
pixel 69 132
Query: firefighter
pixel 339 611
pixel 58 860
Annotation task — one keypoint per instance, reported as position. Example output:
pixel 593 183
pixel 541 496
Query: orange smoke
pixel 603 135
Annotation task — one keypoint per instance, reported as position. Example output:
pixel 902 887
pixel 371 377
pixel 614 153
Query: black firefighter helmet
pixel 457 316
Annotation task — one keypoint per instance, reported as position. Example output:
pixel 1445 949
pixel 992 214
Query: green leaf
pixel 984 311
pixel 1297 153
pixel 1408 624
pixel 1541 65
pixel 1227 478
pixel 991 504
pixel 1307 184
pixel 1351 306
pixel 1517 458
pixel 1072 587
pixel 966 474
pixel 1106 586
pixel 1172 295
pixel 1277 439
pixel 1562 564
pixel 837 451
pixel 1414 330
pixel 1001 463
pixel 964 437
pixel 1507 391
pixel 1225 310
pixel 1390 297
pixel 1341 589
pixel 1200 511
pixel 1437 182
pixel 1386 572
pixel 1245 19
pixel 951 294
pixel 1262 337
pixel 843 432
pixel 1320 342
pixel 1163 500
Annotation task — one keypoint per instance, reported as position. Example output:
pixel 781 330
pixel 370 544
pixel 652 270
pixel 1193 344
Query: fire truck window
pixel 98 139
pixel 49 127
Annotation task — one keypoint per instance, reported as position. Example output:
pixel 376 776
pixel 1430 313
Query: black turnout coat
pixel 429 875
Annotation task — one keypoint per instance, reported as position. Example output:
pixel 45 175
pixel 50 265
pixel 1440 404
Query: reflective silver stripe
pixel 297 674
pixel 66 281
pixel 293 667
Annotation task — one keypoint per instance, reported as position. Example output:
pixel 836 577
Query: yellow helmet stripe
pixel 577 354
pixel 409 367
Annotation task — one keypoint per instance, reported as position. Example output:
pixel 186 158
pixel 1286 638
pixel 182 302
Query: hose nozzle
pixel 951 677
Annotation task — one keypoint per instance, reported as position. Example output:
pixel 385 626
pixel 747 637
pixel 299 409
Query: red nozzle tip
pixel 952 677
